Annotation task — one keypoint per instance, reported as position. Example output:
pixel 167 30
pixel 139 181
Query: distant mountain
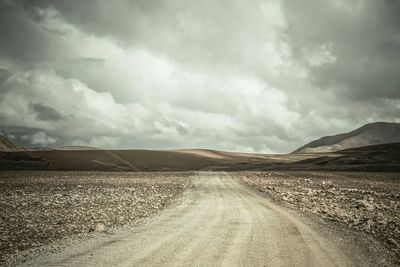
pixel 369 134
pixel 75 148
pixel 382 158
pixel 8 146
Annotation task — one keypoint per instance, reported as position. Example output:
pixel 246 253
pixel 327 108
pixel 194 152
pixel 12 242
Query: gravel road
pixel 218 222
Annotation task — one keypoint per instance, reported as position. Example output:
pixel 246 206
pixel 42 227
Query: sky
pixel 240 75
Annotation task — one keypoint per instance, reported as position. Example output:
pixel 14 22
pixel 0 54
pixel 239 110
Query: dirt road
pixel 219 222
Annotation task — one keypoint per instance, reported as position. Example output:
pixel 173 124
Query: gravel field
pixel 46 208
pixel 41 208
pixel 367 202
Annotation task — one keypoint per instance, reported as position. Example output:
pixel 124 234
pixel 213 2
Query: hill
pixel 7 145
pixel 138 160
pixel 369 134
pixel 370 158
pixel 384 157
pixel 75 148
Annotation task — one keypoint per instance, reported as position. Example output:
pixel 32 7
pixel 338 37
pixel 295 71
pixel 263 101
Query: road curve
pixel 219 222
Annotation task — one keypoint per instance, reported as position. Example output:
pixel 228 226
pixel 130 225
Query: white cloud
pixel 321 55
pixel 42 139
pixel 88 113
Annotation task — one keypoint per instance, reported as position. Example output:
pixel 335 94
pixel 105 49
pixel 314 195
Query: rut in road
pixel 219 222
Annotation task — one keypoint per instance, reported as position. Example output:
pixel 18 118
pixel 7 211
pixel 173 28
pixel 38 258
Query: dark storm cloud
pixel 364 37
pixel 4 74
pixel 238 75
pixel 20 37
pixel 45 113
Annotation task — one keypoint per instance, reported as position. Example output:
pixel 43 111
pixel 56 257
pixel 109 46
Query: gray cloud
pixel 4 74
pixel 363 36
pixel 28 137
pixel 45 113
pixel 237 75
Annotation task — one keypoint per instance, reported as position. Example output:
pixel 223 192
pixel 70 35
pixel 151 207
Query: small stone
pixel 99 227
pixel 364 204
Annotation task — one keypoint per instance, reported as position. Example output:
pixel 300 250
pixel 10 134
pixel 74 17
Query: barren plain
pixel 42 208
pixel 356 201
pixel 210 218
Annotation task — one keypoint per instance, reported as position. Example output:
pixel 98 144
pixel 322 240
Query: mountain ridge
pixel 369 134
pixel 7 146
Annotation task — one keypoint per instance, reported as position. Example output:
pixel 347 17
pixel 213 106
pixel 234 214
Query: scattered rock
pixel 366 203
pixel 40 208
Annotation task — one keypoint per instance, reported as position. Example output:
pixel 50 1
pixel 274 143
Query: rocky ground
pixel 41 208
pixel 368 202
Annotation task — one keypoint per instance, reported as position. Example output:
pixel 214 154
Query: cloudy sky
pixel 241 75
